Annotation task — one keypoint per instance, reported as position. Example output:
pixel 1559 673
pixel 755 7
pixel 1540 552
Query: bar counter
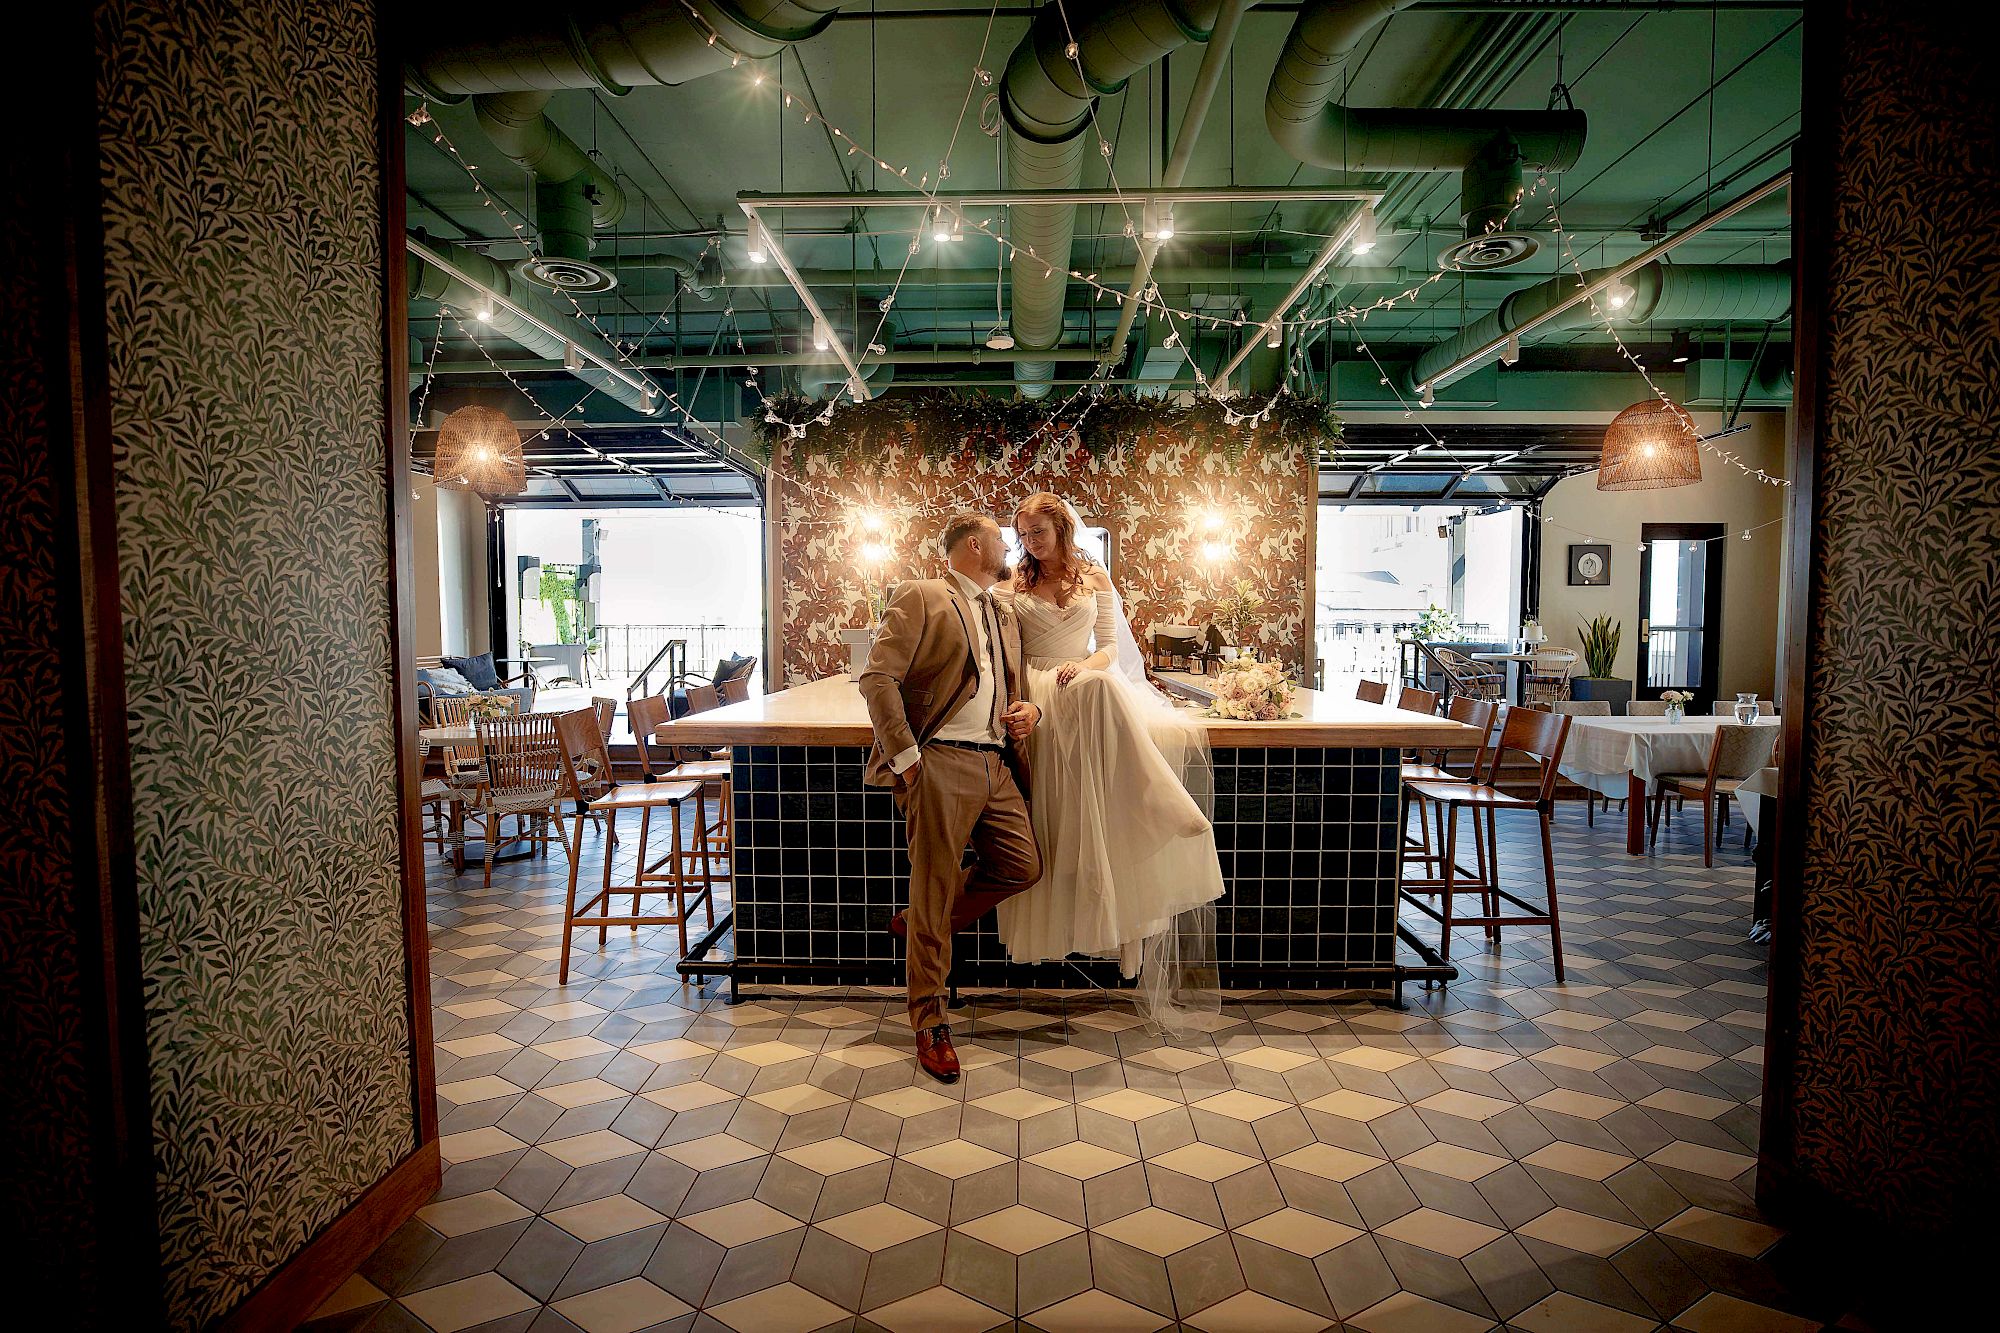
pixel 1307 820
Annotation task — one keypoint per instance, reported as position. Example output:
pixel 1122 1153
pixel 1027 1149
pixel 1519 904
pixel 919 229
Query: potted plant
pixel 860 641
pixel 1600 659
pixel 1434 624
pixel 1241 612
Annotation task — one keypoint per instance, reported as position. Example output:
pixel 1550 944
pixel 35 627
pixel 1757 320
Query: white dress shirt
pixel 973 721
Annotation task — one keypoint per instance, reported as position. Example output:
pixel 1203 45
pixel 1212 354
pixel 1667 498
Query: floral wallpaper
pixel 243 254
pixel 1186 521
pixel 1895 1085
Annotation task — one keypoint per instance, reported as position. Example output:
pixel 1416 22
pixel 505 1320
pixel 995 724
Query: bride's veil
pixel 1179 977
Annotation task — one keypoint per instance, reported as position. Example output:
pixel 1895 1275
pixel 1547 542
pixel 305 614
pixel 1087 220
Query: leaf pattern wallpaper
pixel 1158 496
pixel 243 254
pixel 1896 1108
pixel 44 1099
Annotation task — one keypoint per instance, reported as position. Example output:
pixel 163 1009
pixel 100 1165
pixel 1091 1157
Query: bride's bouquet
pixel 1252 691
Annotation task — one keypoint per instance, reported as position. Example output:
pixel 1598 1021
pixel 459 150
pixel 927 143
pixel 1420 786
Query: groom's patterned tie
pixel 995 662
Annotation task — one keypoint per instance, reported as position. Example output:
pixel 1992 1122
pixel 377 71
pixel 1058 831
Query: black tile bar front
pixel 1308 840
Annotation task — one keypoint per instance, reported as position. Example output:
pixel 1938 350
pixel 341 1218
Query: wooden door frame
pixel 1711 609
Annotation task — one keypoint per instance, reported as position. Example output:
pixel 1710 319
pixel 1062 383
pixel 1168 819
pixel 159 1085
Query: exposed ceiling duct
pixel 1488 148
pixel 516 47
pixel 430 282
pixel 1046 104
pixel 573 195
pixel 1669 293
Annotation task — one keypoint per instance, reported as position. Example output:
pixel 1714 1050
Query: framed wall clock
pixel 1589 564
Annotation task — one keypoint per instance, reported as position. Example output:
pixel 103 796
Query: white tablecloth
pixel 1762 783
pixel 1602 751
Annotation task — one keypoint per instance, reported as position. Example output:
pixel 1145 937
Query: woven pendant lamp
pixel 1649 446
pixel 482 448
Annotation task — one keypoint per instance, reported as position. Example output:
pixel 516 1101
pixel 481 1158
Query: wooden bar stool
pixel 683 864
pixel 685 763
pixel 1479 714
pixel 1540 736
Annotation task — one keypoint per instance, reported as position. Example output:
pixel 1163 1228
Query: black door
pixel 1680 610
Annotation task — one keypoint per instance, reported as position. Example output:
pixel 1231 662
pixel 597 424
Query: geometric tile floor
pixel 629 1153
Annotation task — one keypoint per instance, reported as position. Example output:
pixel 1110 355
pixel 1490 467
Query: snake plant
pixel 1600 646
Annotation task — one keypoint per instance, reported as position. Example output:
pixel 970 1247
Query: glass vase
pixel 1746 707
pixel 1676 714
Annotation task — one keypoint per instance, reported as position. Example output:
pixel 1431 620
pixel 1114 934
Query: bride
pixel 1120 776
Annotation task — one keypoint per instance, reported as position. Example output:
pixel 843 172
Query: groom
pixel 943 687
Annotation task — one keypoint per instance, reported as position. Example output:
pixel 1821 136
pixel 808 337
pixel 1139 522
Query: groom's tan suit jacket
pixel 922 670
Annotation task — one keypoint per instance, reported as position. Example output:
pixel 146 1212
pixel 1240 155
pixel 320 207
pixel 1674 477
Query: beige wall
pixel 461 572
pixel 1750 570
pixel 426 623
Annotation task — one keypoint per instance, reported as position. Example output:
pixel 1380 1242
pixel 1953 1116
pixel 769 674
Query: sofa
pixel 437 676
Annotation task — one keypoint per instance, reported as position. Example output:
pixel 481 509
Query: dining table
pixel 1620 757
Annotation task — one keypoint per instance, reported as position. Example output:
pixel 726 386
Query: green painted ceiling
pixel 1685 106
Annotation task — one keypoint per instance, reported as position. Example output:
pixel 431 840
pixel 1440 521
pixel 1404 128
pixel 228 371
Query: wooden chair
pixel 579 737
pixel 1540 736
pixel 1479 714
pixel 1371 691
pixel 525 776
pixel 1464 676
pixel 734 691
pixel 1413 700
pixel 1739 751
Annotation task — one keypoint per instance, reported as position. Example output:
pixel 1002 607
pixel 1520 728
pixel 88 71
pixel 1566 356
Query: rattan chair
pixel 1738 753
pixel 1540 736
pixel 1467 677
pixel 1545 680
pixel 525 777
pixel 1371 691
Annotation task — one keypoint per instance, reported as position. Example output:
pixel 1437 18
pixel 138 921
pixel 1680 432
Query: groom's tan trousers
pixel 959 797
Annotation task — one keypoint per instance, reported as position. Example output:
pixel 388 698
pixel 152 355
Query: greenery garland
pixel 982 428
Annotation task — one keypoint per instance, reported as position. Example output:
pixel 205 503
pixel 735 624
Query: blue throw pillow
pixel 479 670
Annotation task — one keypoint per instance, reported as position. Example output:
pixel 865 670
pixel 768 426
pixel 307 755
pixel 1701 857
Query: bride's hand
pixel 1066 673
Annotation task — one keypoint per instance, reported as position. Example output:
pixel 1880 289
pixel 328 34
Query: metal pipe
pixel 941 356
pixel 857 383
pixel 1214 63
pixel 1214 194
pixel 1202 275
pixel 522 323
pixel 1434 377
pixel 1334 246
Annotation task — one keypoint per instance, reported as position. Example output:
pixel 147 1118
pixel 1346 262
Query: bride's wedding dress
pixel 1127 851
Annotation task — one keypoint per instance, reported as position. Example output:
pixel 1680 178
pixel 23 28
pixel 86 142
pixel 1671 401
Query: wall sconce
pixel 870 520
pixel 1214 552
pixel 874 553
pixel 1212 520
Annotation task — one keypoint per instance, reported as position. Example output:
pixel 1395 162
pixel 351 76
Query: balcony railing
pixel 625 649
pixel 1353 647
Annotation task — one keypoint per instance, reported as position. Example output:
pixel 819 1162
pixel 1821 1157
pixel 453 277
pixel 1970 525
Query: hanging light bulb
pixel 757 78
pixel 1364 233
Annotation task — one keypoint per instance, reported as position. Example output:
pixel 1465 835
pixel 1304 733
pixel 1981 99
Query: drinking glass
pixel 1746 706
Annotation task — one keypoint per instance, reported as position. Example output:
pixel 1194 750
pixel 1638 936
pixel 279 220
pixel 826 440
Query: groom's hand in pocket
pixel 1020 719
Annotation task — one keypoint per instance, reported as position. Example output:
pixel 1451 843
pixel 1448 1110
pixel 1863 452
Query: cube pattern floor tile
pixel 629 1152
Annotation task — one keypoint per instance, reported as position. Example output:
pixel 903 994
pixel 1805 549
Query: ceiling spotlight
pixel 1425 396
pixel 1274 334
pixel 572 357
pixel 1619 294
pixel 485 315
pixel 1000 340
pixel 1165 231
pixel 820 341
pixel 940 230
pixel 1512 353
pixel 1364 232
pixel 759 250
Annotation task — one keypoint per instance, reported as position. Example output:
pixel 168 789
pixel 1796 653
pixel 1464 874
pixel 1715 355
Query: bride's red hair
pixel 1066 571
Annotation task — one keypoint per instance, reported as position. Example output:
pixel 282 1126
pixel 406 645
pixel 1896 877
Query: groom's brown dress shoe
pixel 935 1053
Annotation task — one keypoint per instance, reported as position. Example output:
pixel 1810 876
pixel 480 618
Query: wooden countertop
pixel 830 712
